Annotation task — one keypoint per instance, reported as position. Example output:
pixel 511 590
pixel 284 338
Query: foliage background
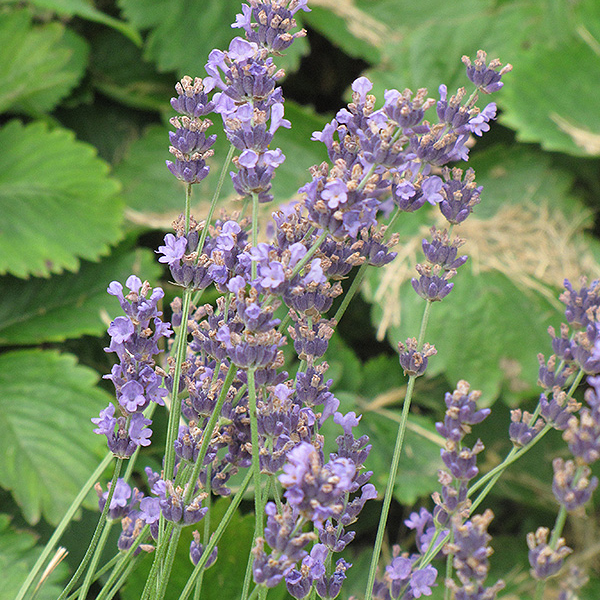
pixel 85 198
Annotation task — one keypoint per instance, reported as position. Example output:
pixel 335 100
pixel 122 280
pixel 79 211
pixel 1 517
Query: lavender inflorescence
pixel 233 389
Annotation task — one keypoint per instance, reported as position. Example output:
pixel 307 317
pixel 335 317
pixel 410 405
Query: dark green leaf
pixel 18 554
pixel 57 202
pixel 224 579
pixel 46 441
pixel 119 71
pixel 86 10
pixel 68 305
pixel 39 65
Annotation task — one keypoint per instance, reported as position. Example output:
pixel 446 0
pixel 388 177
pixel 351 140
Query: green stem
pixel 64 523
pixel 208 430
pixel 97 532
pixel 258 503
pixel 89 576
pixel 215 198
pixel 150 587
pixel 254 266
pixel 175 412
pixel 127 559
pixel 354 287
pixel 168 563
pixel 216 536
pixel 112 592
pixel 387 499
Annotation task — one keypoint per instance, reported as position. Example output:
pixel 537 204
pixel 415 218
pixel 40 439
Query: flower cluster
pixel 135 379
pixel 239 407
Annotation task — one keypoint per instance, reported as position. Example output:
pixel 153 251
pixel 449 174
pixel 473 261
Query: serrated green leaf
pixel 68 305
pixel 524 238
pixel 57 202
pixel 47 445
pixel 18 554
pixel 39 64
pixel 224 579
pixel 86 10
pixel 546 102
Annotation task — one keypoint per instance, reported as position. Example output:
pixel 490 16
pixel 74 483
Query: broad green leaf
pixel 18 553
pixel 524 238
pixel 548 102
pixel 39 64
pixel 224 579
pixel 58 204
pixel 86 10
pixel 154 195
pixel 357 32
pixel 119 71
pixel 183 32
pixel 68 305
pixel 47 444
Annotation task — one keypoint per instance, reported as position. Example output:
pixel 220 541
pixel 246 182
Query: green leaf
pixel 224 579
pixel 68 305
pixel 549 102
pixel 155 195
pixel 182 32
pixel 18 554
pixel 47 445
pixel 357 32
pixel 524 238
pixel 86 10
pixel 39 65
pixel 420 459
pixel 57 202
pixel 119 71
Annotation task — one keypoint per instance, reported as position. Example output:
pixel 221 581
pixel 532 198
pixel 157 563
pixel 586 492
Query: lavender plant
pixel 238 411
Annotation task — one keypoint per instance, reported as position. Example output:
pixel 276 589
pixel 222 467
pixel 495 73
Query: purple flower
pixel 335 193
pixel 139 432
pixel 485 76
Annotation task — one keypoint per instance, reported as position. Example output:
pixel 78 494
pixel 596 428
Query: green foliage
pixel 47 179
pixel 18 554
pixel 39 65
pixel 47 446
pixel 94 79
pixel 68 305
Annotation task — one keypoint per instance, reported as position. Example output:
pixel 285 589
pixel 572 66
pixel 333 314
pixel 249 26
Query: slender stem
pixel 188 202
pixel 89 576
pixel 150 587
pixel 97 532
pixel 254 266
pixel 175 412
pixel 318 242
pixel 258 503
pixel 112 592
pixel 127 559
pixel 354 287
pixel 168 563
pixel 64 523
pixel 215 198
pixel 208 430
pixel 216 536
pixel 389 491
